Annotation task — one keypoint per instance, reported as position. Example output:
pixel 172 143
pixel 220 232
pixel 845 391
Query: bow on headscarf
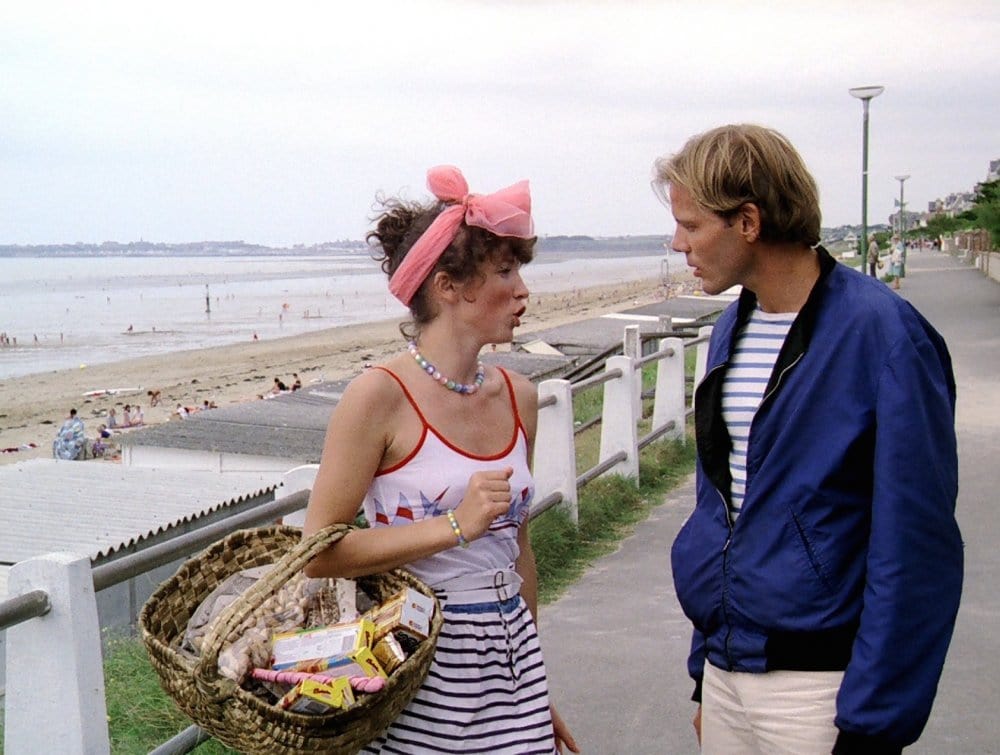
pixel 506 212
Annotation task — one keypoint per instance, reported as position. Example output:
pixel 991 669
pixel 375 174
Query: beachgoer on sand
pixel 154 397
pixel 71 441
pixel 452 504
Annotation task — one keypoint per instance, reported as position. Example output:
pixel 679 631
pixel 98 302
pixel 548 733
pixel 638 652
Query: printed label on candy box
pixel 360 662
pixel 310 696
pixel 335 641
pixel 408 611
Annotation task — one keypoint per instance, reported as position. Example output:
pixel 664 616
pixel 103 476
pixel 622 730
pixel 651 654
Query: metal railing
pixel 68 635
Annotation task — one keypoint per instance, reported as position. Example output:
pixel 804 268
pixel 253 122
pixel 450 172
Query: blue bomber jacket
pixel 846 554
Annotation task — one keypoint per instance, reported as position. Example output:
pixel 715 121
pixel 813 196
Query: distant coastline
pixel 626 245
pixel 616 244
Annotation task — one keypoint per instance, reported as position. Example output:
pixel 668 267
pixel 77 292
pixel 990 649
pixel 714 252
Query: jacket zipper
pixel 729 522
pixel 777 383
pixel 725 582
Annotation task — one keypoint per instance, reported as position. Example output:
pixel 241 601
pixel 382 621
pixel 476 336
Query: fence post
pixel 700 359
pixel 55 679
pixel 669 401
pixel 632 348
pixel 618 419
pixel 554 463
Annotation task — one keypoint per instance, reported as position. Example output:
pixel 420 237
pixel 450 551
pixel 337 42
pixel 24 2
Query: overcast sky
pixel 277 123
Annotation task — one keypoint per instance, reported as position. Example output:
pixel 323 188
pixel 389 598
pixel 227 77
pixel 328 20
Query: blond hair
pixel 730 166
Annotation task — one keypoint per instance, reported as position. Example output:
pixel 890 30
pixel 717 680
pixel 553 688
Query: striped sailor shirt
pixel 754 357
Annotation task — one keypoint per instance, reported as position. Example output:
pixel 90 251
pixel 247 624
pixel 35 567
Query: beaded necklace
pixel 463 388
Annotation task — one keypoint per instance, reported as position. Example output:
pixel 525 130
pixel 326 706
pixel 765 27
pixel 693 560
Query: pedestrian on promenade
pixel 822 564
pixel 435 446
pixel 872 256
pixel 896 261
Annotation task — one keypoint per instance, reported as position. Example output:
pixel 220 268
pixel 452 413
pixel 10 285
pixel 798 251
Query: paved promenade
pixel 616 642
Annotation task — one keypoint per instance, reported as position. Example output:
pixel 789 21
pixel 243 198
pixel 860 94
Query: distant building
pixel 953 204
pixel 959 201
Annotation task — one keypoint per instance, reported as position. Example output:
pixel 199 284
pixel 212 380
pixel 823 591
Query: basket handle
pixel 206 670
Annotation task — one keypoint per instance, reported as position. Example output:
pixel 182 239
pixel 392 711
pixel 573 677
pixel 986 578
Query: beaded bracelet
pixel 456 529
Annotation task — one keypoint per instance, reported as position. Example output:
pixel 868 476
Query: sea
pixel 72 311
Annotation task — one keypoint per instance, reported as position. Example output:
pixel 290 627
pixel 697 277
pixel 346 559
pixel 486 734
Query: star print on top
pixel 399 496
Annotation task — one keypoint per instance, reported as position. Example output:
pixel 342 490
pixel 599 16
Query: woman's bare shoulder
pixel 375 388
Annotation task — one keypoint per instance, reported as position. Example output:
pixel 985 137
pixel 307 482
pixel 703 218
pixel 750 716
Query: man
pixel 872 256
pixel 822 564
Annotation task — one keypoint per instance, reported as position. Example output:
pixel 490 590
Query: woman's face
pixel 498 297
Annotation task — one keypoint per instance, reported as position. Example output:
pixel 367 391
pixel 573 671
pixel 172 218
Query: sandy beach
pixel 33 407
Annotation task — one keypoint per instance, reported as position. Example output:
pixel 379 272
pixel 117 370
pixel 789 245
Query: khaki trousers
pixel 777 713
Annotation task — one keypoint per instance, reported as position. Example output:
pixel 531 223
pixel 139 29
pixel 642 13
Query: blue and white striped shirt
pixel 754 357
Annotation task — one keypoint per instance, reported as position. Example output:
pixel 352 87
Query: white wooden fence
pixel 55 696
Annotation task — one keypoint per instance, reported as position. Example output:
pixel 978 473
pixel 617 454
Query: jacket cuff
pixel 849 743
pixel 696 695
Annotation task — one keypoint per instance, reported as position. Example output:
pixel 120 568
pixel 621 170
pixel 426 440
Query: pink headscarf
pixel 506 212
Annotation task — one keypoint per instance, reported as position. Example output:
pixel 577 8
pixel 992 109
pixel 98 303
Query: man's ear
pixel 748 217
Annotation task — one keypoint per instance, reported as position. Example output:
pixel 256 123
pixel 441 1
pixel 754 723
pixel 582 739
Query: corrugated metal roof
pixel 594 335
pixel 97 508
pixel 289 426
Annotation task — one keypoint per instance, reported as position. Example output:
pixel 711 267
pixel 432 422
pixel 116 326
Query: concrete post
pixel 294 480
pixel 669 404
pixel 55 678
pixel 618 419
pixel 554 463
pixel 632 348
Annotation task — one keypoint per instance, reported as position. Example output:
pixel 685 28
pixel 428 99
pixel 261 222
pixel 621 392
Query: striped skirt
pixel 486 691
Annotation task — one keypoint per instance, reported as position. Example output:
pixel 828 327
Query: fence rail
pixel 53 630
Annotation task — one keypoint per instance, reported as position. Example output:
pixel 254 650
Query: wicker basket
pixel 233 715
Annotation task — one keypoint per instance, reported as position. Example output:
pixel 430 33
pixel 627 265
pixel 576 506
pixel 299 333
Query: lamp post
pixel 902 223
pixel 865 94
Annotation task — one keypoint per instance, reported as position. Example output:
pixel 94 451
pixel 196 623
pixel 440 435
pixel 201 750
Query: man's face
pixel 712 244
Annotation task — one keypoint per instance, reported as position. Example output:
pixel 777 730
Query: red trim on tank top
pixel 518 426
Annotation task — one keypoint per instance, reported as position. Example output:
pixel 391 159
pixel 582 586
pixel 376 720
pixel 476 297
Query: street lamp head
pixel 901 178
pixel 866 93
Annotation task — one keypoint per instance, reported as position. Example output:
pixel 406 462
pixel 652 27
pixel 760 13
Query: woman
pixel 896 260
pixel 435 445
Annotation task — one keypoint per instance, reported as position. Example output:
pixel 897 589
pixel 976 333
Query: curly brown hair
pixel 398 225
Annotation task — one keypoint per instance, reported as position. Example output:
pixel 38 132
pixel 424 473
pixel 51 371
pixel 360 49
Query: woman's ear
pixel 749 220
pixel 443 286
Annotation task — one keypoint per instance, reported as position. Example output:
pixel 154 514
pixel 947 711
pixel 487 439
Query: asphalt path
pixel 616 643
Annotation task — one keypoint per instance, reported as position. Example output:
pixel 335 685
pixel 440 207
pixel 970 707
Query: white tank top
pixel 433 480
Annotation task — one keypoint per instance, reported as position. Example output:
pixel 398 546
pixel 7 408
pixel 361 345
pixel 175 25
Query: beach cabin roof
pixel 289 426
pixel 596 334
pixel 98 508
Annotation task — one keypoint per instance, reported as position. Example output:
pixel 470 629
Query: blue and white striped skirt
pixel 486 691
